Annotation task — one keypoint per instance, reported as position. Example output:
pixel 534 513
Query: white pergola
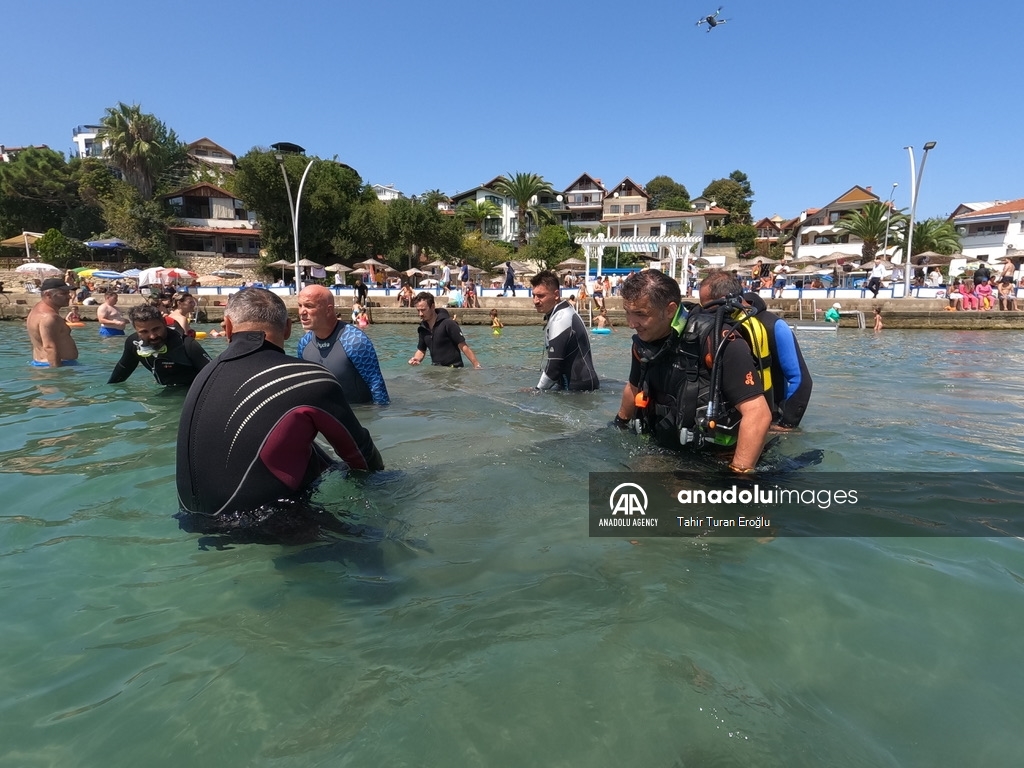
pixel 676 248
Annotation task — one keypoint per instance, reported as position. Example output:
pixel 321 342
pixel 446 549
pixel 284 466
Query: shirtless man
pixel 111 321
pixel 50 336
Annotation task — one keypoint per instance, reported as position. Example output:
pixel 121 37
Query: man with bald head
pixel 340 347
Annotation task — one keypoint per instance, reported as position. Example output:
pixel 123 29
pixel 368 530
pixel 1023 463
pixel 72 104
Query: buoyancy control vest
pixel 680 400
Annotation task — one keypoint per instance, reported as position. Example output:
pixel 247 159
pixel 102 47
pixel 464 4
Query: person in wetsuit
pixel 247 428
pixel 174 360
pixel 340 347
pixel 568 365
pixel 673 362
pixel 440 334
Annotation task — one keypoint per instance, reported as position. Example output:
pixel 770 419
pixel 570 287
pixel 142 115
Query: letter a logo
pixel 627 502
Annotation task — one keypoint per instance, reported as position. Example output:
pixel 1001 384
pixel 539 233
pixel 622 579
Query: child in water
pixel 878 319
pixel 496 324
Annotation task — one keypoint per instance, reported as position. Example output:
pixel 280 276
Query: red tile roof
pixel 1014 206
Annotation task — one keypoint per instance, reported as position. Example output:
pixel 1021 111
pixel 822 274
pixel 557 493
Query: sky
pixel 807 98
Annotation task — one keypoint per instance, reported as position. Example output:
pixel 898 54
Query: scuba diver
pixel 174 360
pixel 693 381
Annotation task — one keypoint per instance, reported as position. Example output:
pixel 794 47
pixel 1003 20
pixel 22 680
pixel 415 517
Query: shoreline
pixel 897 314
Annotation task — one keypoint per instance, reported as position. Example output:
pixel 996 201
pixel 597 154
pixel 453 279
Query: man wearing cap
pixel 832 313
pixel 111 321
pixel 50 336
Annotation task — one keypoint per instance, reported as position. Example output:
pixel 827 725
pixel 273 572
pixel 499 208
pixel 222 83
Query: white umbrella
pixel 38 268
pixel 150 276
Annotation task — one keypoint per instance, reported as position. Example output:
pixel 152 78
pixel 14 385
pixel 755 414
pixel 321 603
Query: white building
pixel 991 231
pixel 386 192
pixel 84 138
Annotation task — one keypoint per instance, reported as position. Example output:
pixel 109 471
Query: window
pixel 616 208
pixel 655 231
pixel 496 200
pixel 633 208
pixel 834 216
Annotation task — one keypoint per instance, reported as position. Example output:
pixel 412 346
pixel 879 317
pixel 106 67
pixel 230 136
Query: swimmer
pixel 496 324
pixel 111 321
pixel 174 360
pixel 73 319
pixel 568 364
pixel 49 335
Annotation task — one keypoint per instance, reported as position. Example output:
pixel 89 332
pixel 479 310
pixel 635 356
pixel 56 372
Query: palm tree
pixel 478 211
pixel 870 225
pixel 138 145
pixel 523 188
pixel 937 235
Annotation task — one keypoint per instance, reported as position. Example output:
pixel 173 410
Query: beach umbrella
pixel 38 268
pixel 24 240
pixel 283 264
pixel 227 273
pixel 177 273
pixel 101 274
pixel 436 263
pixel 338 268
pixel 150 276
pixel 132 273
pixel 310 263
pixel 571 264
pixel 372 263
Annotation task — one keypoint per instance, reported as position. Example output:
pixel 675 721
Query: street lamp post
pixel 888 218
pixel 294 207
pixel 915 187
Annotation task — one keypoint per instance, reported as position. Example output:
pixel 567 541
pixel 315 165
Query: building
pixel 84 140
pixel 814 234
pixel 990 231
pixel 214 227
pixel 584 199
pixel 626 199
pixel 386 192
pixel 7 154
pixel 506 226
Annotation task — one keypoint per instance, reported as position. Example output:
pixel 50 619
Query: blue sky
pixel 807 98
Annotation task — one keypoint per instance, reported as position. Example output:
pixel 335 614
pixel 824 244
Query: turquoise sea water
pixel 484 627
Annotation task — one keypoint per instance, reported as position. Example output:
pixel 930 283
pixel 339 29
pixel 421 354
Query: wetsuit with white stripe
pixel 348 353
pixel 569 364
pixel 247 429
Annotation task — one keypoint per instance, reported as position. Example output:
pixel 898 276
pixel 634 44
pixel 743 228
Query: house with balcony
pixel 7 154
pixel 214 227
pixel 814 232
pixel 990 231
pixel 506 225
pixel 386 192
pixel 84 139
pixel 584 199
pixel 627 198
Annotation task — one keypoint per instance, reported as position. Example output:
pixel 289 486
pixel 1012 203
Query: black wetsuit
pixel 443 340
pixel 247 427
pixel 569 365
pixel 177 366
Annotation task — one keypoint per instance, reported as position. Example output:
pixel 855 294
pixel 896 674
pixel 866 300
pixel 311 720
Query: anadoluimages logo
pixel 629 499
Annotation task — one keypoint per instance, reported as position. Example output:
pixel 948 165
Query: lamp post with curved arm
pixel 294 208
pixel 915 187
pixel 888 218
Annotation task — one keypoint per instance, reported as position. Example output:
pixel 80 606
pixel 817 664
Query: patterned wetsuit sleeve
pixel 360 351
pixel 303 342
pixel 558 335
pixel 127 364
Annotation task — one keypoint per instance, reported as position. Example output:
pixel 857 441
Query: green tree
pixel 484 253
pixel 937 235
pixel 667 195
pixel 550 247
pixel 742 235
pixel 140 223
pixel 141 147
pixel 54 248
pixel 869 224
pixel 734 196
pixel 523 188
pixel 39 191
pixel 478 211
pixel 330 193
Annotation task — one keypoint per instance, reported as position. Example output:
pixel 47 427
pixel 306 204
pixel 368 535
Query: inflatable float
pixel 75 325
pixel 601 331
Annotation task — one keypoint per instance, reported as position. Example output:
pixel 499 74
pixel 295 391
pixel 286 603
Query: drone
pixel 712 21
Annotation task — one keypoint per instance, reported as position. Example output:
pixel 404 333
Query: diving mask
pixel 144 350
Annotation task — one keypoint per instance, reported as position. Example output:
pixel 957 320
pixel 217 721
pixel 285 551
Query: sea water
pixel 480 625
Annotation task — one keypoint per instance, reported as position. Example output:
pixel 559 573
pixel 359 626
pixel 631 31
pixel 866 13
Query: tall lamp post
pixel 888 218
pixel 915 187
pixel 294 207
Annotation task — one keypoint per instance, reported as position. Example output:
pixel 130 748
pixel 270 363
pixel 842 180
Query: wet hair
pixel 423 296
pixel 494 313
pixel 719 284
pixel 179 297
pixel 659 289
pixel 547 278
pixel 144 313
pixel 259 307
